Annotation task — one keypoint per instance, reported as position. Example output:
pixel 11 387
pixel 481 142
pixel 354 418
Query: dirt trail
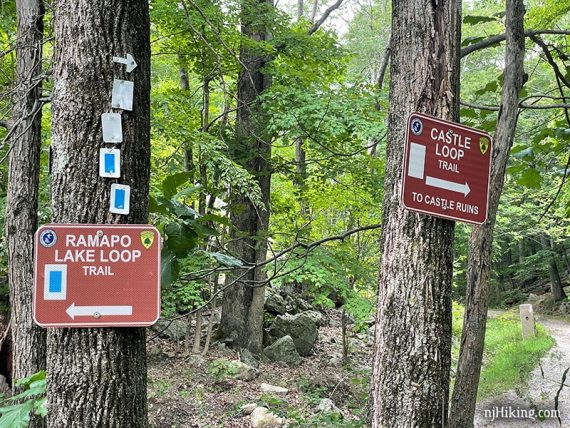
pixel 539 394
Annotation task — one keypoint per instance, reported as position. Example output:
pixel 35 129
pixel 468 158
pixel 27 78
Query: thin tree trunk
pixel 210 322
pixel 566 259
pixel 555 282
pixel 197 333
pixel 188 152
pixel 300 155
pixel 412 348
pixel 29 340
pixel 202 204
pixel 481 240
pixel 187 335
pixel 314 11
pixel 242 306
pixel 97 377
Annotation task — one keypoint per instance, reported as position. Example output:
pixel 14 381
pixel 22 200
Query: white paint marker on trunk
pixel 122 96
pixel 112 128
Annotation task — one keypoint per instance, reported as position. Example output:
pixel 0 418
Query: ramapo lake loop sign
pixel 446 169
pixel 96 275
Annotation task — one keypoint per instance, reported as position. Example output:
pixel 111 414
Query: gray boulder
pixel 296 304
pixel 283 351
pixel 244 371
pixel 300 327
pixel 170 329
pixel 273 389
pixel 326 405
pixel 261 417
pixel 318 317
pixel 274 303
pixel 247 357
pixel 564 308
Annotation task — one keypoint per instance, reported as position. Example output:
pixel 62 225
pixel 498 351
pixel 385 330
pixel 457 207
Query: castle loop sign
pixel 96 275
pixel 446 169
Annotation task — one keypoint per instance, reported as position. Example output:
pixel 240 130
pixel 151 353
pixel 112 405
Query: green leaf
pixel 180 238
pixel 16 416
pixel 215 219
pixel 154 207
pixel 171 183
pixel 26 381
pixel 489 87
pixel 530 178
pixel 40 407
pixel 518 148
pixel 468 112
pixel 474 19
pixel 182 210
pixel 169 267
pixel 471 40
pixel 187 191
pixel 226 260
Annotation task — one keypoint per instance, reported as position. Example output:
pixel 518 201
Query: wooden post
pixel 527 321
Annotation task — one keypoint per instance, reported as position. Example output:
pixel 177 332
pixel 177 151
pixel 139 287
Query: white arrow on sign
pixel 448 185
pixel 96 311
pixel 129 61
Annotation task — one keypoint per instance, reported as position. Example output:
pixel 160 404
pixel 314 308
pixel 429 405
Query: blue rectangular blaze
pixel 55 281
pixel 119 198
pixel 109 163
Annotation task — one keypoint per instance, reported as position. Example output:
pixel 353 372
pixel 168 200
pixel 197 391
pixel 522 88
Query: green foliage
pixel 222 368
pixel 508 359
pixel 473 20
pixel 16 411
pixel 328 277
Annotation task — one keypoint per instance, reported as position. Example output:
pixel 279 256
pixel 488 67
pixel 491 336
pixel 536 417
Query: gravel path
pixel 539 394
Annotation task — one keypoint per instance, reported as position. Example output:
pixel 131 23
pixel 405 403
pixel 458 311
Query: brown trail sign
pixel 96 275
pixel 446 169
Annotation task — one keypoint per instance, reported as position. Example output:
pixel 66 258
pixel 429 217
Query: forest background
pixel 321 120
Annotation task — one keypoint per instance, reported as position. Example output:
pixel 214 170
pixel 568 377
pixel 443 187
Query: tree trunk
pixel 197 333
pixel 314 11
pixel 412 349
pixel 300 155
pixel 97 376
pixel 29 340
pixel 481 240
pixel 242 306
pixel 555 282
pixel 521 251
pixel 566 259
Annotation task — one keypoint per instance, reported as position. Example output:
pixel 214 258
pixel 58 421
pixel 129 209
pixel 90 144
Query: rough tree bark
pixel 481 240
pixel 242 306
pixel 29 340
pixel 555 282
pixel 97 377
pixel 412 349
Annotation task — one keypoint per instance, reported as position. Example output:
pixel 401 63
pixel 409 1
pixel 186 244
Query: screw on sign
pixel 96 275
pixel 446 169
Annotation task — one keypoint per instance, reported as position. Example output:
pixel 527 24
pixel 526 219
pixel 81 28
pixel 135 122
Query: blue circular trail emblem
pixel 48 238
pixel 417 126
